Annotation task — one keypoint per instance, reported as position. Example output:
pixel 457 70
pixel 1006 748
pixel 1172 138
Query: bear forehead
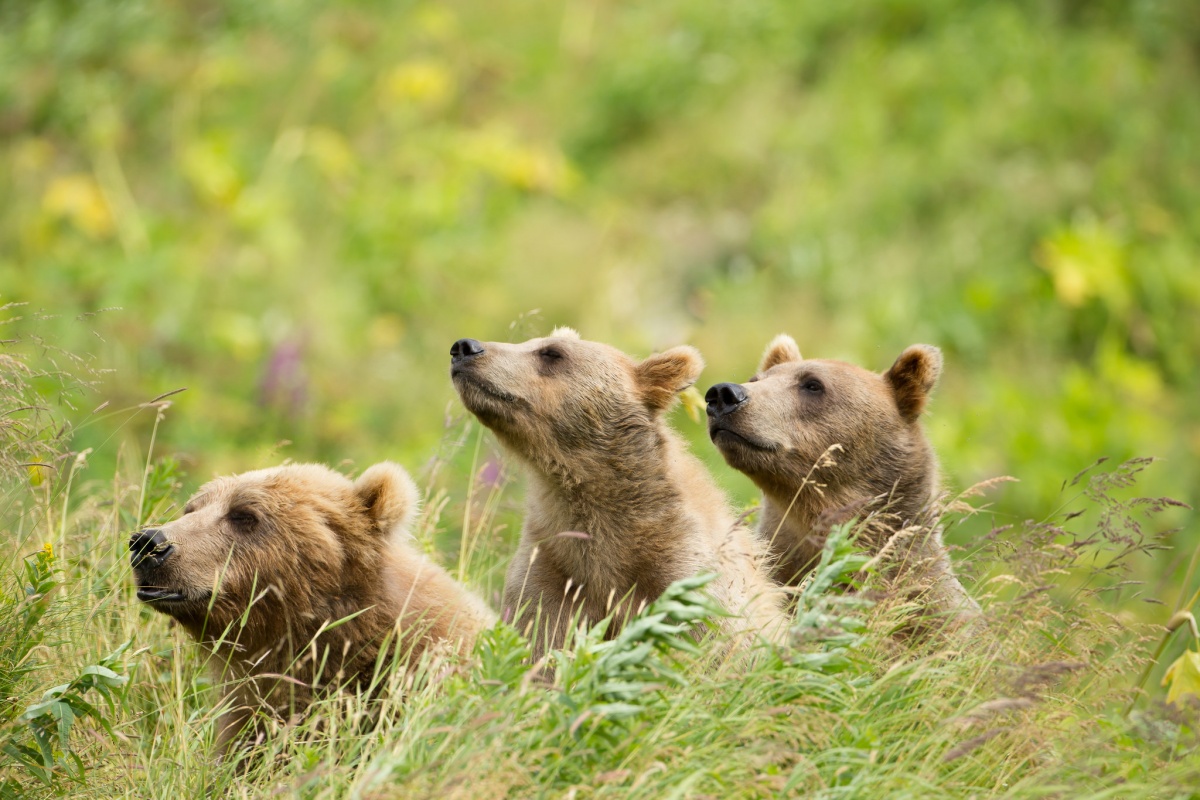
pixel 290 483
pixel 568 344
pixel 847 381
pixel 586 361
pixel 825 368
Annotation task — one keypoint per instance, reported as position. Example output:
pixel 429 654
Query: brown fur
pixel 616 506
pixel 817 436
pixel 266 560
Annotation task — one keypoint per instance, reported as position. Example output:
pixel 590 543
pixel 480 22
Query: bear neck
pixel 398 600
pixel 278 635
pixel 622 511
pixel 613 476
pixel 795 517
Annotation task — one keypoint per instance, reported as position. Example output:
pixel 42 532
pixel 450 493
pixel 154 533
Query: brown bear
pixel 817 436
pixel 616 507
pixel 261 565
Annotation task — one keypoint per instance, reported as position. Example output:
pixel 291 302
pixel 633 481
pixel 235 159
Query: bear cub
pixel 261 564
pixel 817 436
pixel 616 507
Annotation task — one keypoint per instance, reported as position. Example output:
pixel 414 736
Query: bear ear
pixel 781 350
pixel 913 377
pixel 563 332
pixel 389 495
pixel 666 374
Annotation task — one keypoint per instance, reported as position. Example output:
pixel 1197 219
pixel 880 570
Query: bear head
pixel 558 400
pixel 852 433
pixel 273 552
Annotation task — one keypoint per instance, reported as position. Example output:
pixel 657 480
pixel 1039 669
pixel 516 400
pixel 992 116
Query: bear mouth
pixel 723 436
pixel 158 594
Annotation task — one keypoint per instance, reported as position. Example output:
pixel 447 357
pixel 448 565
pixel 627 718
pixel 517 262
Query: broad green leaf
pixel 37 474
pixel 66 718
pixel 1183 678
pixel 106 677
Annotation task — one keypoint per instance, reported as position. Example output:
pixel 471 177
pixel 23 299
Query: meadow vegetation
pixel 293 208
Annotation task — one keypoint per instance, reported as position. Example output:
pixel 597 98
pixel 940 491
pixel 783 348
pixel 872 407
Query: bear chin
pixel 184 605
pixel 158 597
pixel 484 400
pixel 732 442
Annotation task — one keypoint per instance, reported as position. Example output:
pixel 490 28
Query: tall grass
pixel 1034 706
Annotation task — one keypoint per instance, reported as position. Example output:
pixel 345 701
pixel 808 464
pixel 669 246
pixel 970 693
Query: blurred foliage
pixel 298 206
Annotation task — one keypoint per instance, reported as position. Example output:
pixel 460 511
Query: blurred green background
pixel 293 208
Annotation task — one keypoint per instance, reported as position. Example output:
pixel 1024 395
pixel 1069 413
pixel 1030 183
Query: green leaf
pixel 55 691
pixel 37 710
pixel 113 679
pixel 45 746
pixel 66 718
pixel 1183 678
pixel 616 710
pixel 619 687
pixel 31 758
pixel 635 656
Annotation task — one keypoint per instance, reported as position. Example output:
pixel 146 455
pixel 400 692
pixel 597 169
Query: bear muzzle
pixel 724 398
pixel 465 349
pixel 148 550
pixel 729 433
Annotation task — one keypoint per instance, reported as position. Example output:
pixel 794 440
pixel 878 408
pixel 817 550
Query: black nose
pixel 724 398
pixel 465 348
pixel 148 547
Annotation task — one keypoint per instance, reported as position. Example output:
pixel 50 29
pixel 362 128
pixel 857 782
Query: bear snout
pixel 464 349
pixel 724 398
pixel 149 548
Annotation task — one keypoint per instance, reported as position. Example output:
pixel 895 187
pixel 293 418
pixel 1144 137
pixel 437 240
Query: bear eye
pixel 241 518
pixel 550 353
pixel 813 385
